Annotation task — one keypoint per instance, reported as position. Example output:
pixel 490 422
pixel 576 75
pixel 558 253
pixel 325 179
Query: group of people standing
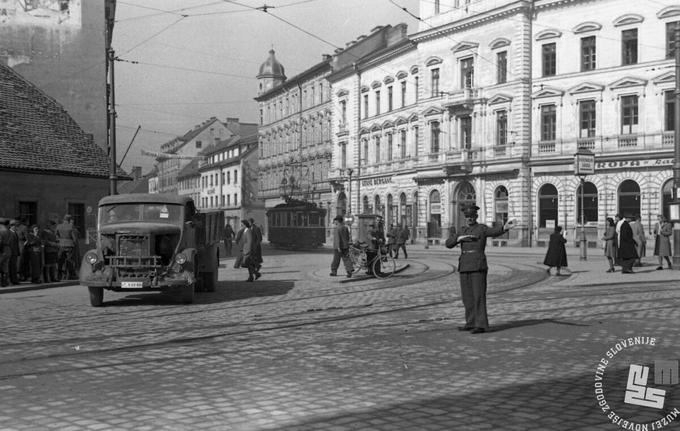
pixel 35 255
pixel 625 242
pixel 249 242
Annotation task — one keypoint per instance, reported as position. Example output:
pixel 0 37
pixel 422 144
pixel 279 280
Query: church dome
pixel 271 68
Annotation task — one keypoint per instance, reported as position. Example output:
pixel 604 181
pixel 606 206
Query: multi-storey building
pixel 294 134
pixel 228 179
pixel 488 103
pixel 187 147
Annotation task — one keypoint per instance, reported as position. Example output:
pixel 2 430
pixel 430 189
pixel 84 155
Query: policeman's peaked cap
pixel 470 211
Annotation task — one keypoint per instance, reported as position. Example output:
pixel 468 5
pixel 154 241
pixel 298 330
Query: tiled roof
pixel 189 170
pixel 37 134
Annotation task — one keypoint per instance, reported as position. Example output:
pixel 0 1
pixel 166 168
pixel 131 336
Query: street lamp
pixel 584 164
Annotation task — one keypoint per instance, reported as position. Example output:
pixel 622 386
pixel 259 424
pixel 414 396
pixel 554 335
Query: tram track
pixel 299 319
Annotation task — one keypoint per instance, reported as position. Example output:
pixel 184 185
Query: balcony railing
pixel 638 143
pixel 627 141
pixel 668 139
pixel 546 146
pixel 587 143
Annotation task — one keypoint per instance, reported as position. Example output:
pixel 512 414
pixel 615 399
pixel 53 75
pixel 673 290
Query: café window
pixel 589 203
pixel 629 198
pixel 547 206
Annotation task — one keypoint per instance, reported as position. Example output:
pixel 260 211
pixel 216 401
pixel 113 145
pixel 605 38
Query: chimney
pixel 136 173
pixel 326 57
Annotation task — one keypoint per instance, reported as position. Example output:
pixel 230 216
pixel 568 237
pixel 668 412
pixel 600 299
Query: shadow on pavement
pixel 564 403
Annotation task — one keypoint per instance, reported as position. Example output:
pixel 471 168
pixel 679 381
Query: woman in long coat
pixel 662 242
pixel 34 250
pixel 610 243
pixel 627 252
pixel 557 253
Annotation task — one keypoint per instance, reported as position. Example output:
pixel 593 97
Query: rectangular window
pixel 377 102
pixel 235 177
pixel 223 178
pixel 502 67
pixel 629 114
pixel 587 53
pixel 29 212
pixel 228 177
pixel 434 137
pixel 343 158
pixel 366 151
pixel 629 46
pixel 365 105
pixel 670 38
pixel 436 7
pixel 211 180
pixel 402 147
pixel 587 118
pixel 467 72
pixel 389 98
pixel 235 199
pixel 548 122
pixel 228 200
pixel 466 132
pixel 199 144
pixel 389 147
pixel 501 128
pixel 416 138
pixel 435 82
pixel 343 112
pixel 403 93
pixel 669 114
pixel 549 57
pixel 416 88
pixel 377 149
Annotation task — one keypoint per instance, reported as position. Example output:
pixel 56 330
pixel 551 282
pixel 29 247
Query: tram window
pixel 314 219
pixel 288 219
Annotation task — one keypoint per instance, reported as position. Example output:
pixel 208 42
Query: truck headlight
pixel 181 258
pixel 91 258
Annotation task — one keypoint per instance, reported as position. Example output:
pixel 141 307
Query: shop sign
pixel 633 163
pixel 376 181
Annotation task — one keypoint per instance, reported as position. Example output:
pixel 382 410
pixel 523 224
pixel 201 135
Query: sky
pixel 184 61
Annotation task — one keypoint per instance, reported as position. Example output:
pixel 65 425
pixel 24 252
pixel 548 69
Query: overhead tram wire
pixel 187 69
pixel 155 34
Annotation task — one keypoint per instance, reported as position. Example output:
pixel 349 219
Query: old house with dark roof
pixel 49 166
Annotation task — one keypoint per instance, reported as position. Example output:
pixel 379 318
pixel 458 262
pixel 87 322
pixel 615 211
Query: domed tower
pixel 271 74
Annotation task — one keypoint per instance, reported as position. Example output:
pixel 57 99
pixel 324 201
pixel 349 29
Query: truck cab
pixel 152 242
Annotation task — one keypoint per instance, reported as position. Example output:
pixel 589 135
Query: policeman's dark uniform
pixel 473 270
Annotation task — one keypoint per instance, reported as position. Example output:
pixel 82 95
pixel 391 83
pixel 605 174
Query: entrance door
pixel 464 197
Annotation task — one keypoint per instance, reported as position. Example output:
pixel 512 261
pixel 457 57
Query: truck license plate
pixel 132 284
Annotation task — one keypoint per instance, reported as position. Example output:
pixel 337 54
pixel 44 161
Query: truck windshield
pixel 134 213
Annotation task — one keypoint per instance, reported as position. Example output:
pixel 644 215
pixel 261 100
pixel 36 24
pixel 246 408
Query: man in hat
pixel 341 241
pixel 15 247
pixel 67 243
pixel 5 252
pixel 473 268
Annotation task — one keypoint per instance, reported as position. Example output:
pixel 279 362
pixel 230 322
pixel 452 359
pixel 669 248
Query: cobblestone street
pixel 301 350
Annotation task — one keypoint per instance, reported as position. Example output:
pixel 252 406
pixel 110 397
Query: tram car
pixel 296 224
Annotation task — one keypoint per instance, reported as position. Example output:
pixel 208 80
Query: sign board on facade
pixel 584 162
pixel 376 181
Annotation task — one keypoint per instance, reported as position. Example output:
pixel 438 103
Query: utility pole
pixel 111 98
pixel 675 215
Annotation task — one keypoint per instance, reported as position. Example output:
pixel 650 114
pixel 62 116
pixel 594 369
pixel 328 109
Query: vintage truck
pixel 152 242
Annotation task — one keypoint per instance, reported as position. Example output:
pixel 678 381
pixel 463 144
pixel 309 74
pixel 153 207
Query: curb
pixel 41 286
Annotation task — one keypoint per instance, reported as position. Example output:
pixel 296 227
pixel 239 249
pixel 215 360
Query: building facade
pixel 294 134
pixel 486 104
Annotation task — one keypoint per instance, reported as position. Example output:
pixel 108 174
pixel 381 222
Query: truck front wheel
pixel 96 296
pixel 209 280
pixel 187 294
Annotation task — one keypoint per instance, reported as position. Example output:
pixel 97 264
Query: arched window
pixel 547 206
pixel 391 211
pixel 501 205
pixel 435 221
pixel 589 203
pixel 629 198
pixel 379 208
pixel 341 205
pixel 367 206
pixel 666 198
pixel 402 208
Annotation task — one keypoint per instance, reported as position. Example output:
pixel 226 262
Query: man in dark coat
pixel 257 247
pixel 66 235
pixel 473 268
pixel 15 249
pixel 341 241
pixel 377 234
pixel 557 252
pixel 228 238
pixel 5 252
pixel 627 253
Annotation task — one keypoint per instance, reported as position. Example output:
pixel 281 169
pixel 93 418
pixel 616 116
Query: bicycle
pixel 382 265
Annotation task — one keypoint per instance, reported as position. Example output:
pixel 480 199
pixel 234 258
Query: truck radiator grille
pixel 133 245
pixel 135 266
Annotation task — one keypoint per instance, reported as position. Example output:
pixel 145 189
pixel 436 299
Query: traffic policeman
pixel 473 268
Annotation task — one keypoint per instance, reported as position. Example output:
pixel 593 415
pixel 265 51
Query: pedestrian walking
pixel 556 256
pixel 341 242
pixel 639 237
pixel 402 236
pixel 238 262
pixel 228 237
pixel 662 242
pixel 5 252
pixel 67 242
pixel 627 253
pixel 610 243
pixel 473 268
pixel 391 239
pixel 23 264
pixel 257 247
pixel 247 245
pixel 15 252
pixel 51 243
pixel 34 247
